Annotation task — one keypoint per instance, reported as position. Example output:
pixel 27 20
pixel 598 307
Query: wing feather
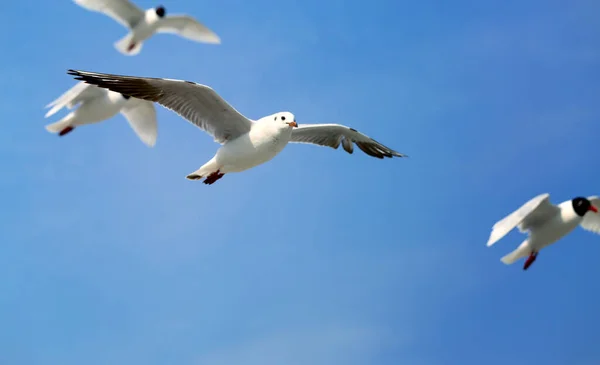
pixel 78 93
pixel 123 11
pixel 188 27
pixel 591 220
pixel 199 104
pixel 530 214
pixel 332 135
pixel 141 116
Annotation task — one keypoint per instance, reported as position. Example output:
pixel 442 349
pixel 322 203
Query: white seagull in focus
pixel 97 104
pixel 245 143
pixel 144 24
pixel 547 223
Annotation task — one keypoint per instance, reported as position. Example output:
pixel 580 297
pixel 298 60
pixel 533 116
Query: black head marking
pixel 581 205
pixel 161 11
pixel 126 97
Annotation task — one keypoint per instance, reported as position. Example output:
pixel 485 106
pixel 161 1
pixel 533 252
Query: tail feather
pixel 127 46
pixel 56 127
pixel 204 171
pixel 522 251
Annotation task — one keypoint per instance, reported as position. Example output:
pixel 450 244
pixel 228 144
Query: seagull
pixel 97 104
pixel 546 223
pixel 245 143
pixel 144 24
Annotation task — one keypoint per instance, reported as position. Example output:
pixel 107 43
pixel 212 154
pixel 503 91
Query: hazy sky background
pixel 110 256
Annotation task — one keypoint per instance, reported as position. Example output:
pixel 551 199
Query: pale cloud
pixel 321 345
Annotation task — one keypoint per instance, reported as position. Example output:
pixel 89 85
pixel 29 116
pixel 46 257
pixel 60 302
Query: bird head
pixel 160 11
pixel 583 205
pixel 285 119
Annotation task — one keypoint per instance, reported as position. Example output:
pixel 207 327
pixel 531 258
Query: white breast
pixel 557 227
pixel 257 147
pixel 146 27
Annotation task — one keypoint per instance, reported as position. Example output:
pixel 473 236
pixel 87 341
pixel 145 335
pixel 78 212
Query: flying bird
pixel 245 143
pixel 144 24
pixel 97 104
pixel 546 223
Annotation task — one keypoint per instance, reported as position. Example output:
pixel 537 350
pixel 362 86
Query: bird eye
pixel 282 118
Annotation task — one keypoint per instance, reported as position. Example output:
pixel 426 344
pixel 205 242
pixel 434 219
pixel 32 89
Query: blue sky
pixel 110 256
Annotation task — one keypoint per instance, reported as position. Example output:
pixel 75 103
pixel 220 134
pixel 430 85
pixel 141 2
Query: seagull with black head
pixel 143 24
pixel 545 224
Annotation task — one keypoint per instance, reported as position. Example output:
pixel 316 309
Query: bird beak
pixel 593 209
pixel 293 124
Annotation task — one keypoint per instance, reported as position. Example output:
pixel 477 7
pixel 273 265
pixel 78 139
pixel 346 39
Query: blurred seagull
pixel 96 105
pixel 245 143
pixel 547 223
pixel 144 24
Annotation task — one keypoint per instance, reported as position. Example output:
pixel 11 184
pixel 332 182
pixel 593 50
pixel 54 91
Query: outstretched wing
pixel 529 215
pixel 331 135
pixel 188 27
pixel 78 93
pixel 591 220
pixel 141 116
pixel 197 103
pixel 123 11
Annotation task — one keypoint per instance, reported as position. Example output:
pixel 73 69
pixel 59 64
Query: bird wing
pixel 529 215
pixel 331 135
pixel 591 221
pixel 188 27
pixel 78 93
pixel 141 116
pixel 123 11
pixel 197 103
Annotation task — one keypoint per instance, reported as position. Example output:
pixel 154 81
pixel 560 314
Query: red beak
pixel 293 124
pixel 593 209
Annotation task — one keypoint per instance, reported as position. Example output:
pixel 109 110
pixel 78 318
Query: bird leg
pixel 530 260
pixel 131 47
pixel 65 131
pixel 210 179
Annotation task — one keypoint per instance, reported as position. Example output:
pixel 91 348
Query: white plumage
pixel 245 143
pixel 545 224
pixel 96 104
pixel 144 24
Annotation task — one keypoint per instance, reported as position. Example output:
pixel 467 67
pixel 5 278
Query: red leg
pixel 131 47
pixel 65 131
pixel 210 179
pixel 530 260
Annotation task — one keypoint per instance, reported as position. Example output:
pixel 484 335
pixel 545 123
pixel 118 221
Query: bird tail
pixel 128 46
pixel 204 171
pixel 522 251
pixel 59 126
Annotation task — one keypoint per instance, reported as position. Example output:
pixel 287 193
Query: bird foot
pixel 210 179
pixel 65 131
pixel 131 47
pixel 530 260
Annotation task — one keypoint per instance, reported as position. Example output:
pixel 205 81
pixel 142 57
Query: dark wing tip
pixel 389 152
pixel 78 75
pixel 74 72
pixel 378 150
